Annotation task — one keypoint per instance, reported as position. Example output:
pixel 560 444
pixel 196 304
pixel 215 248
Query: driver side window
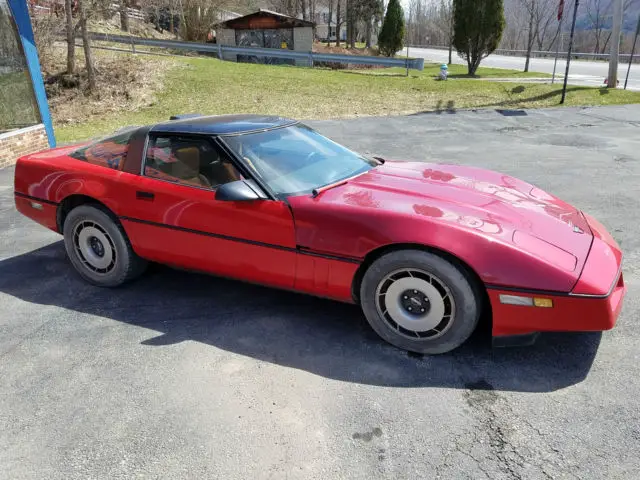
pixel 191 161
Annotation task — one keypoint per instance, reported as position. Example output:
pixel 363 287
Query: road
pixel 180 375
pixel 581 72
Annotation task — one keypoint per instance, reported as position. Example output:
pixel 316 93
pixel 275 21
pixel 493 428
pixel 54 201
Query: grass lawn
pixel 17 107
pixel 460 72
pixel 209 86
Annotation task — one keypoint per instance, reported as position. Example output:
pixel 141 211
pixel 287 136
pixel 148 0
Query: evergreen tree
pixel 477 29
pixel 391 36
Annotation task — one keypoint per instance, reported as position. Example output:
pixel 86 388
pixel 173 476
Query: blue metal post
pixel 20 13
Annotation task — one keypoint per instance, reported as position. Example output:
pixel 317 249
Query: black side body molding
pixel 36 199
pixel 298 249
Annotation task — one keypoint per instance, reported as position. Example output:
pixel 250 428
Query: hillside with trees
pixel 530 24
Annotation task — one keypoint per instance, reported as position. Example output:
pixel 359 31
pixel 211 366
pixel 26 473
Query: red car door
pixel 171 215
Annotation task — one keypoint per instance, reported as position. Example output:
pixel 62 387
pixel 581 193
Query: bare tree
pixel 530 7
pixel 594 36
pixel 539 14
pixel 366 13
pixel 446 16
pixel 197 18
pixel 313 4
pixel 597 13
pixel 339 21
pixel 71 41
pixel 546 18
pixel 124 15
pixel 512 39
pixel 330 5
pixel 91 75
pixel 288 7
pixel 349 15
pixel 431 22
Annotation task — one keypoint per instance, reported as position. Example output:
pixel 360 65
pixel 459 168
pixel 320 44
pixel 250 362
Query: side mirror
pixel 239 191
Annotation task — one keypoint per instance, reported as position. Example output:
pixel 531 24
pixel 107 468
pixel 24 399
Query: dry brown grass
pixel 125 83
pixel 137 28
pixel 322 48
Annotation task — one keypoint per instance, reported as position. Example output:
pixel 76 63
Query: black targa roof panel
pixel 222 124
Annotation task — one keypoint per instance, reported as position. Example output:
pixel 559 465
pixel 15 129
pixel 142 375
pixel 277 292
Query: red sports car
pixel 423 248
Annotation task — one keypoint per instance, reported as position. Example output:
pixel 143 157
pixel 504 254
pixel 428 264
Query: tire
pixel 99 248
pixel 420 302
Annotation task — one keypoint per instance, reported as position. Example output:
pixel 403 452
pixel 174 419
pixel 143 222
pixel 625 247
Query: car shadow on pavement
pixel 320 336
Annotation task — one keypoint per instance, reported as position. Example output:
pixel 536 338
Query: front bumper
pixel 594 304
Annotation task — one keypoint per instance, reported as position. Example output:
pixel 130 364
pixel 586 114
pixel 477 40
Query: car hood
pixel 491 203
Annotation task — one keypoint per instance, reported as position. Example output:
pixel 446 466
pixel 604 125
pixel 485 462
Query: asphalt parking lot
pixel 181 375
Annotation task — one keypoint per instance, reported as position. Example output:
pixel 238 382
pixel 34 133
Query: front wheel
pixel 420 302
pixel 99 248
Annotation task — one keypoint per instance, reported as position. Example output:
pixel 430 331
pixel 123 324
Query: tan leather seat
pixel 232 173
pixel 188 166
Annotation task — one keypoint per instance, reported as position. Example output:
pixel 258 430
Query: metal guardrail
pixel 222 50
pixel 624 57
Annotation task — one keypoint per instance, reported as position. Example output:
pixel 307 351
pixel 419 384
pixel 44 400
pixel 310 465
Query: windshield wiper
pixel 317 191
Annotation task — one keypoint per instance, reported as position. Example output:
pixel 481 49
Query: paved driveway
pixel 188 376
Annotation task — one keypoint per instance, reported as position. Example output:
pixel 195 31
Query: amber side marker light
pixel 526 301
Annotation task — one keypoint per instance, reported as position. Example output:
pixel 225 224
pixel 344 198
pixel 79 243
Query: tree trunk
pixel 312 15
pixel 349 23
pixel 353 33
pixel 124 16
pixel 530 39
pixel 338 24
pixel 604 48
pixel 91 75
pixel 368 34
pixel 329 23
pixel 473 66
pixel 303 7
pixel 451 42
pixel 71 41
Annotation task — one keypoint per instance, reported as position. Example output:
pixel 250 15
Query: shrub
pixel 477 29
pixel 391 35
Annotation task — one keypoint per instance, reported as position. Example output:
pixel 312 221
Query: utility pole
pixel 633 50
pixel 408 41
pixel 558 39
pixel 615 44
pixel 570 49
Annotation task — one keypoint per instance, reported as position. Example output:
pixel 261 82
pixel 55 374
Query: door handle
pixel 144 195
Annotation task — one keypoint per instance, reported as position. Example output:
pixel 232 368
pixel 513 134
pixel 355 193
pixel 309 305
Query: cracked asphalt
pixel 181 375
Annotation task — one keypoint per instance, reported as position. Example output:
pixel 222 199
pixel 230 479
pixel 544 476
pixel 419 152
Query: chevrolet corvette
pixel 424 249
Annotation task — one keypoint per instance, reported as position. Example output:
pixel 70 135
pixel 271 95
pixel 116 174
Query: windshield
pixel 297 159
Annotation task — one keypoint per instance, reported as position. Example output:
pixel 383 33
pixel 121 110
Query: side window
pixel 188 161
pixel 110 152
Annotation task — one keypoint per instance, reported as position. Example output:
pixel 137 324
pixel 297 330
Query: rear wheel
pixel 420 302
pixel 99 248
